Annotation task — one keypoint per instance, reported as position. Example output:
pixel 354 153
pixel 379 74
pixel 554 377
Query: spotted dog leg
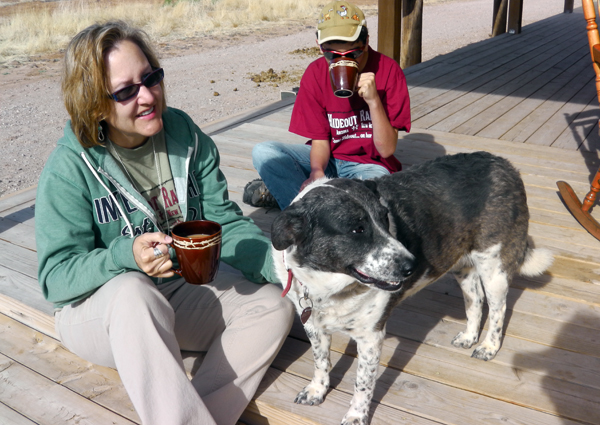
pixel 369 352
pixel 470 283
pixel 314 393
pixel 495 283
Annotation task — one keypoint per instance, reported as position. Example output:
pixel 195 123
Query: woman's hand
pixel 145 257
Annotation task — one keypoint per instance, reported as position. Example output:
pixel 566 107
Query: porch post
pixel 568 6
pixel 499 17
pixel 389 26
pixel 412 33
pixel 515 16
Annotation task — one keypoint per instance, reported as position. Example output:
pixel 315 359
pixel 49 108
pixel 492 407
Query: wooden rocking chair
pixel 581 211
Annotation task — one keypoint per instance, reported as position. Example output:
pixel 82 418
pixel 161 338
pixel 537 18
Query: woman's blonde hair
pixel 85 84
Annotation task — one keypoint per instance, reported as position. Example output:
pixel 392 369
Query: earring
pixel 100 134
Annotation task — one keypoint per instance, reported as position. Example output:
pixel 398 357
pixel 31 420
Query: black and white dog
pixel 352 250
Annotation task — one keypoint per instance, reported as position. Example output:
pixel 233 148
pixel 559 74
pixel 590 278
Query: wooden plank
pixel 255 132
pixel 47 358
pixel 402 390
pixel 536 30
pixel 538 118
pixel 216 127
pixel 554 218
pixel 499 127
pixel 483 78
pixel 440 140
pixel 42 401
pixel 507 80
pixel 11 417
pixel 438 361
pixel 557 244
pixel 278 390
pixel 530 296
pixel 24 289
pixel 274 121
pixel 552 168
pixel 501 101
pixel 19 259
pixel 573 372
pixel 23 214
pixel 592 141
pixel 17 198
pixel 556 123
pixel 27 315
pixel 582 127
pixel 483 53
pixel 445 297
pixel 425 98
pixel 580 279
pixel 17 233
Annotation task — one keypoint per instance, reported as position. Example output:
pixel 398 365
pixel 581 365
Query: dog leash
pixel 306 311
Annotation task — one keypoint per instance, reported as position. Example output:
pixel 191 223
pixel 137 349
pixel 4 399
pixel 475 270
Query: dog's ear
pixel 371 185
pixel 287 228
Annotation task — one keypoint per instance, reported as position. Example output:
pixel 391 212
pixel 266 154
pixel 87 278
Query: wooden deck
pixel 498 96
pixel 536 88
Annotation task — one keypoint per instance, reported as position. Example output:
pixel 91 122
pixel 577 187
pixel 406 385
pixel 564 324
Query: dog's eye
pixel 359 229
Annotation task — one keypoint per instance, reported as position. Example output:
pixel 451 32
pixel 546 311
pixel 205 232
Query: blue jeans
pixel 284 167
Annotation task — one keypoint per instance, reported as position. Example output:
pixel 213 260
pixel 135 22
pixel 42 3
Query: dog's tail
pixel 537 261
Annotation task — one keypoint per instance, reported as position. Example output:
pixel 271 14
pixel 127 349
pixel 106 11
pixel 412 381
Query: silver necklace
pixel 158 176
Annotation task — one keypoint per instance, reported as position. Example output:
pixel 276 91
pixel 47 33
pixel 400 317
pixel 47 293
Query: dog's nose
pixel 408 268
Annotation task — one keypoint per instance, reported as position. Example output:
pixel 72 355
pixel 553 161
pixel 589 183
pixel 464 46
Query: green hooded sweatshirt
pixel 87 213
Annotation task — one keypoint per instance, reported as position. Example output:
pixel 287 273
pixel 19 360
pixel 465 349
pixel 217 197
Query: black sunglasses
pixel 351 54
pixel 148 80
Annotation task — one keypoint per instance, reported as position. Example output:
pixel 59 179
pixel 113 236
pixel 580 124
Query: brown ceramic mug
pixel 343 73
pixel 197 244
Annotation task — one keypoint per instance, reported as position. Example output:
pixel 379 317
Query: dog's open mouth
pixel 387 286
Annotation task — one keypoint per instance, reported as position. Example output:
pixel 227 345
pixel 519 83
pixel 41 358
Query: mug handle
pixel 178 271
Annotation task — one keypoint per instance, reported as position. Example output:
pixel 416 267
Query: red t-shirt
pixel 346 122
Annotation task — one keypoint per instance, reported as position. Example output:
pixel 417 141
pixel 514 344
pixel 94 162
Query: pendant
pixel 306 311
pixel 305 315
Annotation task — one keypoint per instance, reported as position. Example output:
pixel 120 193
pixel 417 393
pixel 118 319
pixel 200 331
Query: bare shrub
pixel 47 30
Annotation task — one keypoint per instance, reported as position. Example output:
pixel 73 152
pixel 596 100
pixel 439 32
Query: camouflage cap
pixel 340 20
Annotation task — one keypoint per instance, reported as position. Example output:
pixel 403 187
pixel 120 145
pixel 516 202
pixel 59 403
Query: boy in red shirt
pixel 352 137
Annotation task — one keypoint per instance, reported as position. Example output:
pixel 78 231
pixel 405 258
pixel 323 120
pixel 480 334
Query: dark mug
pixel 197 244
pixel 343 73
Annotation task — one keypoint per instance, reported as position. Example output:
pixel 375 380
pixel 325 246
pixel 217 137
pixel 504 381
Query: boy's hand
pixel 367 89
pixel 313 176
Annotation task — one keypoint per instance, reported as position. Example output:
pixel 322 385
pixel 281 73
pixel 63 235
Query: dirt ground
pixel 213 77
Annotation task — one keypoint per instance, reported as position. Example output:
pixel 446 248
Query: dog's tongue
pixel 388 286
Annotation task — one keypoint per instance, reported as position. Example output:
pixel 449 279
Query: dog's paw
pixel 464 340
pixel 485 352
pixel 354 420
pixel 312 395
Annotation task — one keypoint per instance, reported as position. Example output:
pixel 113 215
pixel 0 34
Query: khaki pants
pixel 134 326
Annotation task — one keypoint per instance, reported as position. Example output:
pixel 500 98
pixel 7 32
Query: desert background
pixel 221 57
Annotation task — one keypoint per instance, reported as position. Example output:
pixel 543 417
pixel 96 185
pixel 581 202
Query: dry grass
pixel 42 30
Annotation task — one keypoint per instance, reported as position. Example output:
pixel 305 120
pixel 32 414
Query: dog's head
pixel 339 226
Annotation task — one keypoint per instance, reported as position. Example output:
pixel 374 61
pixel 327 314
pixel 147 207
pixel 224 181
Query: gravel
pixel 211 78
